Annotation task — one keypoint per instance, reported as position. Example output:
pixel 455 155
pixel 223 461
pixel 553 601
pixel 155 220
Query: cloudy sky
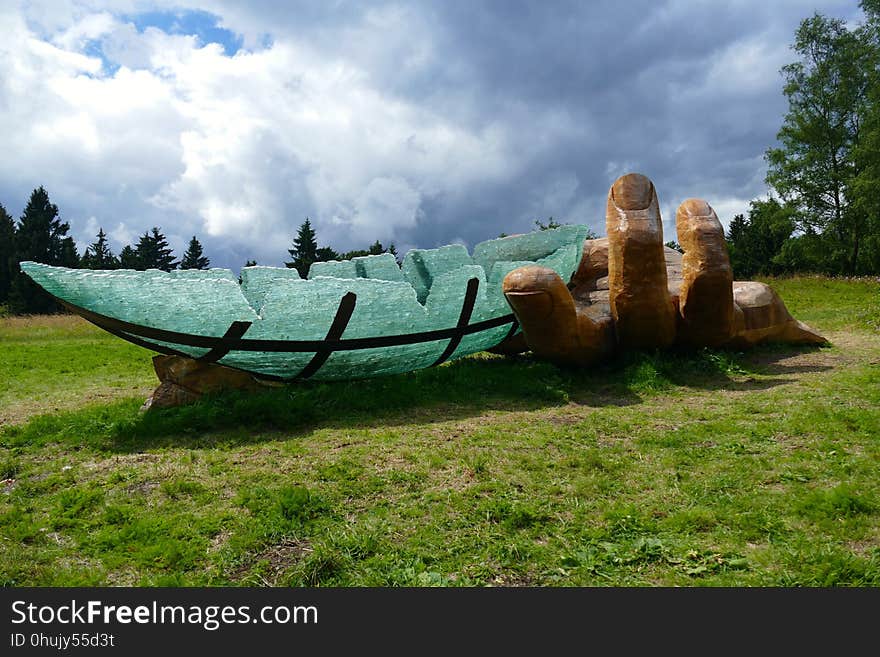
pixel 418 123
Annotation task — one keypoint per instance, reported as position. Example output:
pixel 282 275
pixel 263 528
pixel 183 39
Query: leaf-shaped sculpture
pixel 351 319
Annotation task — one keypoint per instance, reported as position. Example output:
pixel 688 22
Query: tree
pixel 128 258
pixel 754 244
pixel 40 236
pixel 7 253
pixel 675 246
pixel 153 252
pixel 193 258
pixel 67 253
pixel 737 229
pixel 551 224
pixel 305 249
pixel 375 248
pixel 806 253
pixel 737 249
pixel 325 253
pixel 865 196
pixel 815 167
pixel 98 254
pixel 393 251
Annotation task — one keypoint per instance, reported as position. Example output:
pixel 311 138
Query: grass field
pixel 710 468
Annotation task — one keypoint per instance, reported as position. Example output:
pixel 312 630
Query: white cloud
pixel 86 29
pixel 239 148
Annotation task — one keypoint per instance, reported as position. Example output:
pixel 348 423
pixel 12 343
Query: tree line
pixel 40 235
pixel 823 213
pixel 305 250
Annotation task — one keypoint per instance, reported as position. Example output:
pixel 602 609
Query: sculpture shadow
pixel 460 389
pixel 639 373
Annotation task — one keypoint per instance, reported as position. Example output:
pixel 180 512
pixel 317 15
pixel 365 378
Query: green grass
pixel 53 363
pixel 832 303
pixel 712 468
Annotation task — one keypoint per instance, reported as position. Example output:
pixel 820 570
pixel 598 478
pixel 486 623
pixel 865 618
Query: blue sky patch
pixel 94 48
pixel 201 24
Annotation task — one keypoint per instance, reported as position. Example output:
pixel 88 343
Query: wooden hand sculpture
pixel 632 292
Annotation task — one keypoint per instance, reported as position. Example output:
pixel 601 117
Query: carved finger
pixel 761 316
pixel 640 303
pixel 706 297
pixel 554 327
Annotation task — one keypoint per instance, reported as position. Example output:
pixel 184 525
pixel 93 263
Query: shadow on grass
pixel 460 389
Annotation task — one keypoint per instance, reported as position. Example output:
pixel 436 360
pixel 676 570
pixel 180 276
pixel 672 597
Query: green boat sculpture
pixel 350 319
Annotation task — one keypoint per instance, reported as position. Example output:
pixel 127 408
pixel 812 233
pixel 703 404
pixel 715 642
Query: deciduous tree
pixel 814 167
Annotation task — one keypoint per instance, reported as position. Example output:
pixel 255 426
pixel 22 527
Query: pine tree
pixel 754 244
pixel 393 251
pixel 40 236
pixel 128 258
pixel 98 254
pixel 7 253
pixel 737 229
pixel 356 253
pixel 194 258
pixel 376 248
pixel 153 252
pixel 325 253
pixel 145 251
pixel 305 249
pixel 550 225
pixel 67 253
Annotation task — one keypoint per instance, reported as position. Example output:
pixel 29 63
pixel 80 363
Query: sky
pixel 417 123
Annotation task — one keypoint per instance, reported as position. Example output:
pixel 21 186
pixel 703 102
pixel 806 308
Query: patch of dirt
pixel 142 488
pixel 514 579
pixel 122 459
pixel 846 349
pixel 219 540
pixel 862 548
pixel 274 560
pixel 126 577
pixel 97 469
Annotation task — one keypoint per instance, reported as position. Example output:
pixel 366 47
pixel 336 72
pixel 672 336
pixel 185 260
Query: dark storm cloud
pixel 688 93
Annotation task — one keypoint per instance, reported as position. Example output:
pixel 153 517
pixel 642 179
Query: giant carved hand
pixel 631 292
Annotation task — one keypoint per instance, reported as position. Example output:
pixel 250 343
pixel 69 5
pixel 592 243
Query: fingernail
pixel 632 192
pixel 695 207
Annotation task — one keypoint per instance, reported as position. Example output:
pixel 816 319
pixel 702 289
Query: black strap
pixel 125 329
pixel 233 333
pixel 513 326
pixel 144 336
pixel 467 309
pixel 337 328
